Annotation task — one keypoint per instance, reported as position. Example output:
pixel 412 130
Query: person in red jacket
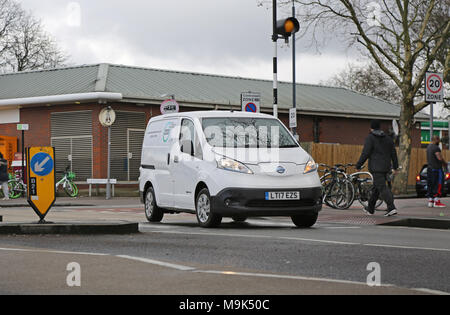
pixel 379 149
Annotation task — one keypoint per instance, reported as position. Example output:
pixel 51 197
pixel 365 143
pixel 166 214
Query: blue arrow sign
pixel 42 164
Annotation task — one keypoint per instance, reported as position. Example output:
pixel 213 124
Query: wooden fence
pixel 345 153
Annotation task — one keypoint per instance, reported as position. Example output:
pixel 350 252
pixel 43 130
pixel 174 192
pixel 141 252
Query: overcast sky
pixel 230 37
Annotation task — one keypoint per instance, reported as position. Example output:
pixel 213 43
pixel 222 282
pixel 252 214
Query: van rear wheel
pixel 152 212
pixel 205 217
pixel 305 220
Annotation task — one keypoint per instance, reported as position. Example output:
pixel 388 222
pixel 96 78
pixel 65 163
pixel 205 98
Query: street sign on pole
pixel 169 107
pixel 434 87
pixel 293 118
pixel 41 179
pixel 434 92
pixel 251 102
pixel 107 118
pixel 23 128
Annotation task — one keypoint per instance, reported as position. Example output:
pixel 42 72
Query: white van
pixel 226 164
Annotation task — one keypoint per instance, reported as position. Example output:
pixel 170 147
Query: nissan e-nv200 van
pixel 219 164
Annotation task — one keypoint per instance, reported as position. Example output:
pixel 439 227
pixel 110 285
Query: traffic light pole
pixel 275 60
pixel 294 94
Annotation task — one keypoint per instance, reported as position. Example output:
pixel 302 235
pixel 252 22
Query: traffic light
pixel 287 27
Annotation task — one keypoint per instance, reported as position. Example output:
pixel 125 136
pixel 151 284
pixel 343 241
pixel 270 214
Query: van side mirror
pixel 187 146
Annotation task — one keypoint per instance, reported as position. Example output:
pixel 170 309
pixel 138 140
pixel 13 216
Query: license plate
pixel 282 195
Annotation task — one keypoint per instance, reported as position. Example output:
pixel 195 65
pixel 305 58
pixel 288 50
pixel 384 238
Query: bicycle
pixel 67 183
pixel 16 186
pixel 363 184
pixel 337 191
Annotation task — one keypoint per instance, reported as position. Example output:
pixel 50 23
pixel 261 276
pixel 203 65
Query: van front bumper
pixel 252 202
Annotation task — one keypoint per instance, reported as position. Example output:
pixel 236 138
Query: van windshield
pixel 243 132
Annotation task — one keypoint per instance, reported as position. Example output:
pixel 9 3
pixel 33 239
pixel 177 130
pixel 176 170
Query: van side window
pixel 188 139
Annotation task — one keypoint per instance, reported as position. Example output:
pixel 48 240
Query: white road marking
pixel 408 247
pixel 270 275
pixel 149 229
pixel 436 292
pixel 158 263
pixel 52 251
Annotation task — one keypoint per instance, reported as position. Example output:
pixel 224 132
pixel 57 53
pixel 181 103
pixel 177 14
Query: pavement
pixel 68 226
pixel 412 212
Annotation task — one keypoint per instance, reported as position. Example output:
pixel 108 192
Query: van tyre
pixel 305 220
pixel 203 209
pixel 152 212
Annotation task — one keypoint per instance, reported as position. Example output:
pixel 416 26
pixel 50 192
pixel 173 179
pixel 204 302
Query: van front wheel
pixel 205 217
pixel 152 212
pixel 305 220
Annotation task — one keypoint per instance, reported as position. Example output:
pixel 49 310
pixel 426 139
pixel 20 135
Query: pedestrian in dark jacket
pixel 4 176
pixel 379 149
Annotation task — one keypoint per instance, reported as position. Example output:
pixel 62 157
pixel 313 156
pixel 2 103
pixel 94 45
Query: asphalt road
pixel 261 256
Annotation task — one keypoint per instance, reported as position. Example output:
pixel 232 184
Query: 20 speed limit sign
pixel 434 87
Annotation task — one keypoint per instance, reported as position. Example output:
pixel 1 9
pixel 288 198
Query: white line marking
pixel 408 247
pixel 269 275
pixel 297 239
pixel 437 292
pixel 259 236
pixel 157 262
pixel 52 251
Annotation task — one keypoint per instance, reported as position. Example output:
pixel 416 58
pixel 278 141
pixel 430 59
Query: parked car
pixel 421 182
pixel 195 162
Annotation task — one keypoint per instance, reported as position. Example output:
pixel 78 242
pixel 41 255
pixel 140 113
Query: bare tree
pixel 402 37
pixel 368 80
pixel 10 14
pixel 25 45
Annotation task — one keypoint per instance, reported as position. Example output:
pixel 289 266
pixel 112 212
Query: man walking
pixel 435 175
pixel 4 176
pixel 379 149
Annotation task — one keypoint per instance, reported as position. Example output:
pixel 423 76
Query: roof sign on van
pixel 169 107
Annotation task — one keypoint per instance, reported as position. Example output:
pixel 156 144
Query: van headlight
pixel 311 166
pixel 232 165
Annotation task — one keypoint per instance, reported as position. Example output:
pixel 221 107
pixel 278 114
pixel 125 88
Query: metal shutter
pixel 135 139
pixel 71 134
pixel 70 124
pixel 82 157
pixel 62 152
pixel 120 141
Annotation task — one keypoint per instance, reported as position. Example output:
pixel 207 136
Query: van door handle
pixel 175 159
pixel 168 159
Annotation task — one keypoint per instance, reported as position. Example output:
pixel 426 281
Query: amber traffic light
pixel 287 27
